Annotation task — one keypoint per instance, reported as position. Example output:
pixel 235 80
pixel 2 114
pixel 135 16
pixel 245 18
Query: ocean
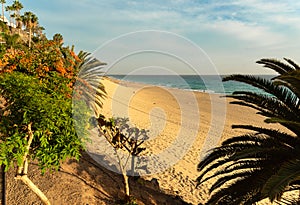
pixel 204 83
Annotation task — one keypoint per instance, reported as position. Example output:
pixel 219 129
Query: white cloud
pixel 219 26
pixel 251 33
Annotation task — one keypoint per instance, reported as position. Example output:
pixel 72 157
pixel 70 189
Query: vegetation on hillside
pixel 265 162
pixel 36 85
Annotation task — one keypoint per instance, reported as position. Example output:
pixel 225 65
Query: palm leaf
pixel 254 166
pixel 295 65
pixel 276 65
pixel 88 86
pixel 276 134
pixel 282 94
pixel 277 184
pixel 239 192
pixel 290 81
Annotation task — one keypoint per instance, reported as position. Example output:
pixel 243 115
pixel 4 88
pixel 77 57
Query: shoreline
pixel 172 117
pixel 130 83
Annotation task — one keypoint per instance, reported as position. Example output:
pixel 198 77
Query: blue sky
pixel 233 33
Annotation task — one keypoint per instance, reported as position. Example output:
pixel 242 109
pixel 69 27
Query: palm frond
pixel 227 178
pixel 293 63
pixel 254 166
pixel 282 94
pixel 290 81
pixel 223 151
pixel 276 185
pixel 88 86
pixel 241 191
pixel 276 65
pixel 276 134
pixel 231 168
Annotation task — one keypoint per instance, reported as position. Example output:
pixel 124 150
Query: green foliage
pixel 264 163
pixel 58 38
pixel 30 100
pixel 3 27
pixel 11 40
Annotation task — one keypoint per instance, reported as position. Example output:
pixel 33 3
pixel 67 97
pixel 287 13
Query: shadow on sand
pixel 109 185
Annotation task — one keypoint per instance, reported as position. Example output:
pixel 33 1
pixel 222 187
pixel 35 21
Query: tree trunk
pixel 3 12
pixel 34 188
pixel 30 33
pixel 125 177
pixel 132 165
pixel 126 184
pixel 23 170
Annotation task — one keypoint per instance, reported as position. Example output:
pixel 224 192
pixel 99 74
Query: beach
pixel 182 127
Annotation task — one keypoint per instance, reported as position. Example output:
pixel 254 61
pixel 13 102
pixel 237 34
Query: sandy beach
pixel 182 126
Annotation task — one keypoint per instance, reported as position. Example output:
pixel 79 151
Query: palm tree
pixel 30 20
pixel 9 9
pixel 17 7
pixel 38 31
pixel 2 2
pixel 90 73
pixel 13 17
pixel 58 38
pixel 19 23
pixel 264 163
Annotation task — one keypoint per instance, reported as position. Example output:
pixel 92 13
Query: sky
pixel 232 34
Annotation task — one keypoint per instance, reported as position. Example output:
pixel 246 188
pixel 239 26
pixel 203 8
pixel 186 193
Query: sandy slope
pixel 182 126
pixel 84 183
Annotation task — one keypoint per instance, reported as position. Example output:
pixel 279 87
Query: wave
pixel 207 84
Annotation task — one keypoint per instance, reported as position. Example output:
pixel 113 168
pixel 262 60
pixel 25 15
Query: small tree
pixel 123 139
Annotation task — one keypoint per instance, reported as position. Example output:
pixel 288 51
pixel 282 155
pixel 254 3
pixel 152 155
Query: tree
pixel 19 23
pixel 17 6
pixel 265 162
pixel 123 139
pixel 91 72
pixel 38 31
pixel 38 122
pixel 58 38
pixel 9 9
pixel 30 20
pixel 3 2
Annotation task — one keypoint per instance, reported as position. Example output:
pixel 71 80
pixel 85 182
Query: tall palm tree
pixel 30 20
pixel 2 2
pixel 17 6
pixel 13 17
pixel 9 9
pixel 265 163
